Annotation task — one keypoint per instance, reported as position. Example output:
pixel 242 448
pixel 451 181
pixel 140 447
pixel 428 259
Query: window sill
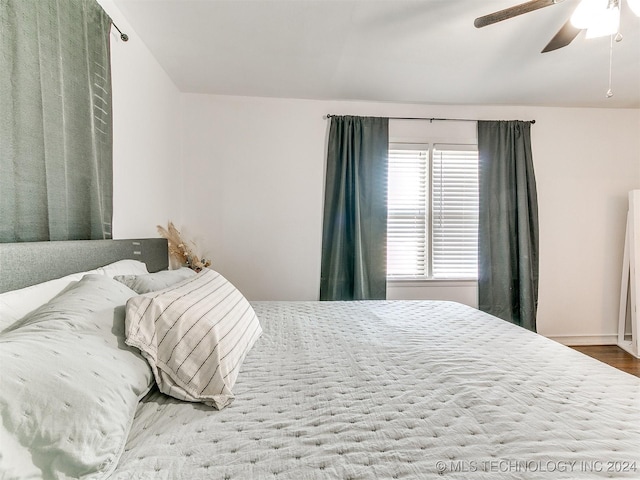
pixel 432 282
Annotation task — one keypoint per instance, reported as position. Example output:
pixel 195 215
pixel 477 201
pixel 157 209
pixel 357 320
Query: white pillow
pixel 70 387
pixel 195 336
pixel 17 303
pixel 151 282
pixel 124 267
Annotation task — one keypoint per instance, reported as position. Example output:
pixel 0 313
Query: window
pixel 432 224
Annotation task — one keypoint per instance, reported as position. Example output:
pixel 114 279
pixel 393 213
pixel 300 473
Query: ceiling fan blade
pixel 564 37
pixel 513 12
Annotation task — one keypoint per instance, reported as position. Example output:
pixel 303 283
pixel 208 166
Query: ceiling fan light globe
pixel 588 13
pixel 634 5
pixel 608 24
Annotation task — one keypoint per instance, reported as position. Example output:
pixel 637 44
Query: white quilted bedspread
pixel 424 390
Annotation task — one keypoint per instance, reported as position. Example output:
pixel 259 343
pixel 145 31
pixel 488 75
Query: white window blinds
pixel 455 212
pixel 432 224
pixel 407 212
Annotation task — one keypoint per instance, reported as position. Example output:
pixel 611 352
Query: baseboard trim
pixel 577 340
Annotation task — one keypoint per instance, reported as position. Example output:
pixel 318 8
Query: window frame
pixel 417 280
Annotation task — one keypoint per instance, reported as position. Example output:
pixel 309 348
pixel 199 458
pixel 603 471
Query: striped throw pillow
pixel 195 335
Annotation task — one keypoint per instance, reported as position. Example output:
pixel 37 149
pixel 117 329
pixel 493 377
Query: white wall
pixel 461 291
pixel 146 137
pixel 253 191
pixel 586 163
pixel 254 181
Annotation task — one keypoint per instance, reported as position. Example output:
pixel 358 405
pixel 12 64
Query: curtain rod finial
pixel 123 36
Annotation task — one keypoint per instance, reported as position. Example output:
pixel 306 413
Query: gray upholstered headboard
pixel 29 263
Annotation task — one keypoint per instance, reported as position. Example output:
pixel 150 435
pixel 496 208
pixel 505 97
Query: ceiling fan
pixel 598 17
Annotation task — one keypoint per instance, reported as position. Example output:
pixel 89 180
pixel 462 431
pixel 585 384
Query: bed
pixel 344 390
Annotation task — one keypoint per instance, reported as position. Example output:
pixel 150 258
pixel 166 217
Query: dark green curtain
pixel 56 177
pixel 354 234
pixel 508 227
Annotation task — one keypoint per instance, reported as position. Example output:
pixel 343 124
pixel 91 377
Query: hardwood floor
pixel 614 356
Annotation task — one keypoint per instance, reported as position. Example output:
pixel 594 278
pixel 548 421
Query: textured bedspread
pixel 424 390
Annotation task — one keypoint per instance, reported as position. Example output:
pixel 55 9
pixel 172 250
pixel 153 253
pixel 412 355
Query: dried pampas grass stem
pixel 180 250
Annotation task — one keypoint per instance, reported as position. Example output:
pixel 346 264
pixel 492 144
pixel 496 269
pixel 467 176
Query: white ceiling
pixel 424 51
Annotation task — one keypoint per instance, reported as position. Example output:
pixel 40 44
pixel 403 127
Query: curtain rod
pixel 431 119
pixel 123 36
